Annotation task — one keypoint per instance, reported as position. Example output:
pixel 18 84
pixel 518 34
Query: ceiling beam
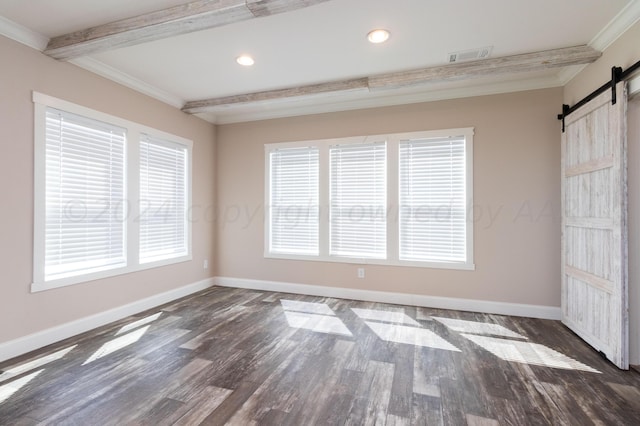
pixel 359 84
pixel 535 61
pixel 182 19
pixel 465 70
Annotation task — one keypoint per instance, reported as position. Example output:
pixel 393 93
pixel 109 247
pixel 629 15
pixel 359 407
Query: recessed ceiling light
pixel 245 60
pixel 378 36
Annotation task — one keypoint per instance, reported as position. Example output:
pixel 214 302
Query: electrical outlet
pixel 360 272
pixel 206 264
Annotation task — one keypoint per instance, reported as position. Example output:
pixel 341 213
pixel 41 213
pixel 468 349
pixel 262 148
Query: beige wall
pixel 516 190
pixel 23 70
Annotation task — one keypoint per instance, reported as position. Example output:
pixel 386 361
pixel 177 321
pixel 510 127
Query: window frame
pixel 375 145
pixel 393 197
pixel 185 203
pixel 131 188
pixel 270 215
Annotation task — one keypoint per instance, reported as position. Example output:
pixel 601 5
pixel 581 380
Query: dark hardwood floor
pixel 230 356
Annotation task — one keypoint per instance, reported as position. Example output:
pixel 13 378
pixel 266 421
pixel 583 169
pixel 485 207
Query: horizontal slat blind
pixel 163 199
pixel 84 195
pixel 294 211
pixel 358 194
pixel 433 200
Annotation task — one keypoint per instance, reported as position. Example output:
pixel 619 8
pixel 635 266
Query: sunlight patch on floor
pixel 410 336
pixel 10 388
pixel 527 353
pixel 307 307
pixel 316 317
pixel 140 322
pixel 117 344
pixel 385 316
pixel 33 364
pixel 317 323
pixel 475 327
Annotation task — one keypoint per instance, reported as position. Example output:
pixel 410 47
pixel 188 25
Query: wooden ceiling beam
pixel 465 70
pixel 194 16
pixel 535 61
pixel 205 105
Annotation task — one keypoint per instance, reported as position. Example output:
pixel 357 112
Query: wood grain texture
pixel 502 65
pixel 231 356
pixel 590 166
pixel 205 105
pixel 182 19
pixel 466 70
pixel 594 225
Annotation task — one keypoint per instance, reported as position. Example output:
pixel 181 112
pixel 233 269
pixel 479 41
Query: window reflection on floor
pixel 317 323
pixel 410 336
pixel 385 316
pixel 397 327
pixel 116 344
pixel 140 322
pixel 308 307
pixel 10 388
pixel 13 386
pixel 316 317
pixel 499 341
pixel 33 364
pixel 527 353
pixel 474 327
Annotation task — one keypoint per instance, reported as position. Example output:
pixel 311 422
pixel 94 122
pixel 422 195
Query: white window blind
pixel 84 195
pixel 293 191
pixel 358 199
pixel 433 200
pixel 163 199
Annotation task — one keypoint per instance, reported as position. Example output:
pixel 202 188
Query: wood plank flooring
pixel 241 357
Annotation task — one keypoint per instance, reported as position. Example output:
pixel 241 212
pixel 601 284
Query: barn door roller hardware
pixel 617 75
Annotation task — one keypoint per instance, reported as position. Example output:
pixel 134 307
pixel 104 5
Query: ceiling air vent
pixel 470 55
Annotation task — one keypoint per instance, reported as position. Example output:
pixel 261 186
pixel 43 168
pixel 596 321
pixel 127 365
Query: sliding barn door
pixel 594 228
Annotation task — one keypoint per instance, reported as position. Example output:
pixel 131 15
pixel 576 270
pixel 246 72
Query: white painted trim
pixel 567 74
pixel 628 16
pixel 37 41
pixel 392 143
pixel 46 337
pixel 485 306
pixel 22 34
pixel 134 132
pixel 127 80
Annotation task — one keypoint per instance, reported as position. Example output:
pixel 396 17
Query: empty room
pixel 301 212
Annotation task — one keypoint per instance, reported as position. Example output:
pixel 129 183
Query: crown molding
pixel 127 80
pixel 628 16
pixel 566 74
pixel 22 34
pixel 39 42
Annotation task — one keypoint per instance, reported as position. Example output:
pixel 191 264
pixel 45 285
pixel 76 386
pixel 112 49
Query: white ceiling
pixel 327 42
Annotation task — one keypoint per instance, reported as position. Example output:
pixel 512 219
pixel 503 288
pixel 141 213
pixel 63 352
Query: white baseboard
pixel 46 337
pixel 489 307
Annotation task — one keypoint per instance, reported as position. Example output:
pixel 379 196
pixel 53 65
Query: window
pixel 403 199
pixel 433 222
pixel 163 199
pixel 358 200
pixel 111 196
pixel 84 195
pixel 293 189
